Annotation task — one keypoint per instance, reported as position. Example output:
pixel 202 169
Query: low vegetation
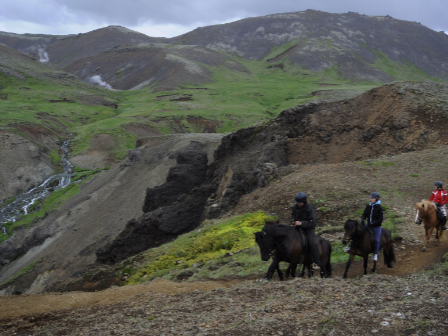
pixel 41 208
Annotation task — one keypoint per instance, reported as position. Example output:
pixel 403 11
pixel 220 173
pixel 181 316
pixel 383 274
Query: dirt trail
pixel 15 306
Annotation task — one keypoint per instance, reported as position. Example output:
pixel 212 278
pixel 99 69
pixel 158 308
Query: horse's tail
pixel 328 265
pixel 389 257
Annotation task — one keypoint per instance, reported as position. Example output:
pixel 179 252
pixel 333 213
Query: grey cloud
pixel 431 13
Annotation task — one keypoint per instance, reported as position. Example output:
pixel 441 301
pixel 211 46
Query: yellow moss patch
pixel 211 241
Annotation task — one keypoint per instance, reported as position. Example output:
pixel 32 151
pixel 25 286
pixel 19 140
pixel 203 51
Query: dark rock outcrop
pixel 171 209
pixel 190 172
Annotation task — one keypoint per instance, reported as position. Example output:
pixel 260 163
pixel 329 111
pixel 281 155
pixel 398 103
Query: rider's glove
pixel 439 204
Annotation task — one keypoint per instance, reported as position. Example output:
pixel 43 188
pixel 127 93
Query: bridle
pixel 273 251
pixel 419 220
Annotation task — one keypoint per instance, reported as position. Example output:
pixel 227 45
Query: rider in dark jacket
pixel 374 215
pixel 303 215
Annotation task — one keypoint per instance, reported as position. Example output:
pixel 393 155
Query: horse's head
pixel 350 227
pixel 262 241
pixel 423 208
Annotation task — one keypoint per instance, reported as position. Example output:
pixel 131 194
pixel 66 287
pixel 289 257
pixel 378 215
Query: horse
pixel 284 243
pixel 362 244
pixel 426 211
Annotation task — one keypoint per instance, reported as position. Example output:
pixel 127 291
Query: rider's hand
pixel 439 204
pixel 297 223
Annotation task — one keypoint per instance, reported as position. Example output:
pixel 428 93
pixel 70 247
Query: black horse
pixel 284 243
pixel 362 244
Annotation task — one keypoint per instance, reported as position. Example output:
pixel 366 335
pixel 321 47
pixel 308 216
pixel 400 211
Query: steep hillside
pixel 75 47
pixel 62 242
pixel 38 105
pixel 31 44
pixel 255 168
pixel 158 65
pixel 373 48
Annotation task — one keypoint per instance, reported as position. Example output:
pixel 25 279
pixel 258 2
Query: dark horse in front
pixel 362 244
pixel 284 243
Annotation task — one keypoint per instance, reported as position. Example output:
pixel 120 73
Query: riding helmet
pixel 438 184
pixel 301 197
pixel 375 195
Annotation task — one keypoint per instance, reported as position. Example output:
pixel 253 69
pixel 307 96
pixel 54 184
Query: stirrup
pixel 375 257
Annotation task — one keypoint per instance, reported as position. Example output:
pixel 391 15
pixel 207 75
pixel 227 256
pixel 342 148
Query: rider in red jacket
pixel 439 197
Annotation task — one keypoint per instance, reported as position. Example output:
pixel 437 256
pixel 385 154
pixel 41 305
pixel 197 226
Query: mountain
pixel 359 46
pixel 356 47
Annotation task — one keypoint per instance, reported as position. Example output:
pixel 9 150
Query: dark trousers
pixel 312 246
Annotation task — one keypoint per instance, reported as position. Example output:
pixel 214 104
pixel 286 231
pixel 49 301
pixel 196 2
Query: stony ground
pixel 374 304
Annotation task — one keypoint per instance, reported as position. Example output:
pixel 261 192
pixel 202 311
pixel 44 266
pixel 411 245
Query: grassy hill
pixel 233 99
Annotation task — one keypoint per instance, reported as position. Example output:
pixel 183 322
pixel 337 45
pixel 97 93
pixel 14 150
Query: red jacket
pixel 439 196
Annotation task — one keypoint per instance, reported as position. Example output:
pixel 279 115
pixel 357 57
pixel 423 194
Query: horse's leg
pixel 426 239
pixel 347 266
pixel 302 272
pixel 293 266
pixel 272 268
pixel 374 267
pixel 279 272
pixel 365 265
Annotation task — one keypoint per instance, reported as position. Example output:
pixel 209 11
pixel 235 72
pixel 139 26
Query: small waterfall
pixel 22 203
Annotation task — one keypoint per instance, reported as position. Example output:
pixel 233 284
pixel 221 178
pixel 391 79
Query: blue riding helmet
pixel 301 197
pixel 438 184
pixel 375 195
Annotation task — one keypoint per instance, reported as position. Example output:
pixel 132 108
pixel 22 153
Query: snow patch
pixel 97 80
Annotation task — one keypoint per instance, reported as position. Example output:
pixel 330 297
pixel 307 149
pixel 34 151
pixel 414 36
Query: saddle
pixel 439 213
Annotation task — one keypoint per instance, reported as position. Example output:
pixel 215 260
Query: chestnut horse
pixel 426 212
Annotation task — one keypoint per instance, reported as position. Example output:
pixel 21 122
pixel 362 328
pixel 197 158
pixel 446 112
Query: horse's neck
pixel 360 231
pixel 429 212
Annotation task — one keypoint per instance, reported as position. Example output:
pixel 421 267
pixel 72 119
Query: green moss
pixel 212 241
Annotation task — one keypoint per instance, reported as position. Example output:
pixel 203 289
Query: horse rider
pixel 439 197
pixel 374 215
pixel 303 216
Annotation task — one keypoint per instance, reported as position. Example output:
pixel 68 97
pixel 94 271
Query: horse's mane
pixel 269 228
pixel 350 223
pixel 424 203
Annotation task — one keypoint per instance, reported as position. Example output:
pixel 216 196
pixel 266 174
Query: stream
pixel 23 202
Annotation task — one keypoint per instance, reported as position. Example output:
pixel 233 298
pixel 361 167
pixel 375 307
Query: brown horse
pixel 426 212
pixel 362 244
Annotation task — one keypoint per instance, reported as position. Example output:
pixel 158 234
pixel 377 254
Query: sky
pixel 168 18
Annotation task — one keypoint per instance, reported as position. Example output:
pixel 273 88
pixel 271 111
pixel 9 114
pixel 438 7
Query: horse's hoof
pixel 389 266
pixel 424 249
pixel 344 277
pixel 373 270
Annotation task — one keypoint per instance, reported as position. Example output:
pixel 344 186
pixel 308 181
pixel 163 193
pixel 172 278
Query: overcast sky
pixel 167 18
